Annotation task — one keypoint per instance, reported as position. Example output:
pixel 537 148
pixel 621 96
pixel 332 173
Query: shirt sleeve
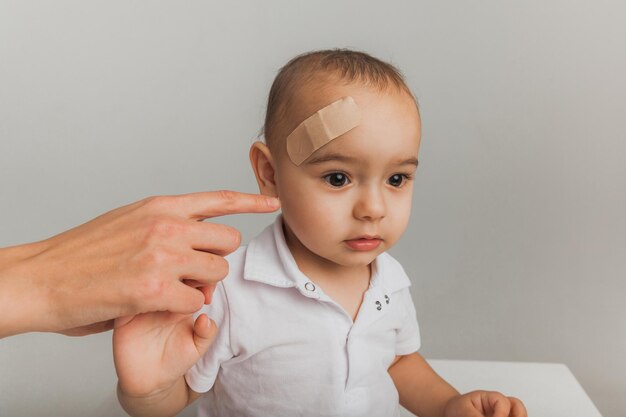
pixel 201 376
pixel 408 335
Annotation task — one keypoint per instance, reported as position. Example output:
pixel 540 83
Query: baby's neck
pixel 320 272
pixel 346 285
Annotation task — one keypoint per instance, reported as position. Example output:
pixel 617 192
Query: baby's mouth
pixel 364 243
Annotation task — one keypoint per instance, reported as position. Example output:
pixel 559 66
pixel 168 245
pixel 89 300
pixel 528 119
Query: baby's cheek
pixel 397 230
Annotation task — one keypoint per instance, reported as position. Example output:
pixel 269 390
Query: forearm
pixel 166 403
pixel 23 303
pixel 421 390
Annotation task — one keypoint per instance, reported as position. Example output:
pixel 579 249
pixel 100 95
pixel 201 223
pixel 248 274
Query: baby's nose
pixel 370 204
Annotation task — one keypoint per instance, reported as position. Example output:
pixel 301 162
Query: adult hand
pixel 152 255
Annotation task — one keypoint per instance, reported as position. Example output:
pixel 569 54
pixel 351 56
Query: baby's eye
pixel 397 180
pixel 336 179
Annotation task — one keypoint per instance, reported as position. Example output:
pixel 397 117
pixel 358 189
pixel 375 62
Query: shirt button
pixel 309 286
pixel 379 306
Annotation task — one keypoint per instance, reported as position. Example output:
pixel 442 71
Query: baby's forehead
pixel 313 97
pixel 387 129
pixel 314 106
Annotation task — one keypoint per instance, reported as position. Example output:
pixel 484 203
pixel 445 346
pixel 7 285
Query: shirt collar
pixel 269 261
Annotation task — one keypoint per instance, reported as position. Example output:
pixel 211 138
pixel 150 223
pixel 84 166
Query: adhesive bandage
pixel 323 126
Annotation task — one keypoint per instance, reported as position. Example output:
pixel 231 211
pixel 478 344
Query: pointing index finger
pixel 203 205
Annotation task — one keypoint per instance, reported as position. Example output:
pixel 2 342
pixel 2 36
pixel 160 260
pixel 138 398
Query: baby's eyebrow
pixel 319 159
pixel 409 161
pixel 337 157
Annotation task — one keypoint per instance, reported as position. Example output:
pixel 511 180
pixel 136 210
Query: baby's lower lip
pixel 363 244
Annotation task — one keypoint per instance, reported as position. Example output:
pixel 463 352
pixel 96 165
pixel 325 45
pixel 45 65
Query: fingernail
pixel 273 201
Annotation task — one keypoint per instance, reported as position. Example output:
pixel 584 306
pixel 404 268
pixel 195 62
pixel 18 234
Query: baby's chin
pixel 355 259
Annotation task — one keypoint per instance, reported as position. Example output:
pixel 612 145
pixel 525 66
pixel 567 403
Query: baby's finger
pixel 517 408
pixel 499 404
pixel 204 330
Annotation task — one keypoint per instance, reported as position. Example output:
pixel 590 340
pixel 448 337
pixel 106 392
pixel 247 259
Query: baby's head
pixel 350 199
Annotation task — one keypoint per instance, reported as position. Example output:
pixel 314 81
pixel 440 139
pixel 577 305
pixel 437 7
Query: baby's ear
pixel 263 167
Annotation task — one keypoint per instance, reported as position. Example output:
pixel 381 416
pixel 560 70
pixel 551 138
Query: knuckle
pixel 231 239
pixel 197 302
pixel 149 284
pixel 228 197
pixel 223 266
pixel 163 227
pixel 228 237
pixel 235 235
pixel 154 259
pixel 148 200
pixel 152 287
pixel 263 202
pixel 180 259
pixel 218 266
pixel 157 203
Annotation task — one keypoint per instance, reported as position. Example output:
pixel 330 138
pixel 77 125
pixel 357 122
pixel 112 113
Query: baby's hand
pixel 485 404
pixel 153 351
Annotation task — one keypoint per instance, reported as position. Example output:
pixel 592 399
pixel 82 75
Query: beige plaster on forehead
pixel 316 95
pixel 321 127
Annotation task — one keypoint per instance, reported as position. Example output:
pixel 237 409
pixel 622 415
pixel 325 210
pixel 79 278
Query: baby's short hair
pixel 349 66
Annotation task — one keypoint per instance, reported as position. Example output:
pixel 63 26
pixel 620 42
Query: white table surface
pixel 547 389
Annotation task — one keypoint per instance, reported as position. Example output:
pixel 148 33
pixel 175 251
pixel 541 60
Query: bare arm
pixel 426 394
pixel 421 390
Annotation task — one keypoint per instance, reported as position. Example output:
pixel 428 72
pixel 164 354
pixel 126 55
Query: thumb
pixel 204 331
pixel 122 321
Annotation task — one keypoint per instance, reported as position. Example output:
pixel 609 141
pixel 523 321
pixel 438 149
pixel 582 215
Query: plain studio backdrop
pixel 517 242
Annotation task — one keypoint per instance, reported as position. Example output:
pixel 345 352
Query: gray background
pixel 517 242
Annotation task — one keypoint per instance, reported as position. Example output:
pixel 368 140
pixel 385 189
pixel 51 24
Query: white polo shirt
pixel 285 349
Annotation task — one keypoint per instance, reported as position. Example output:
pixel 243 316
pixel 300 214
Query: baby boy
pixel 314 318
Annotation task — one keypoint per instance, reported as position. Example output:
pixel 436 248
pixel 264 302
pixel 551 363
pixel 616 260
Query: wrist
pixel 22 304
pixel 449 405
pixel 164 402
